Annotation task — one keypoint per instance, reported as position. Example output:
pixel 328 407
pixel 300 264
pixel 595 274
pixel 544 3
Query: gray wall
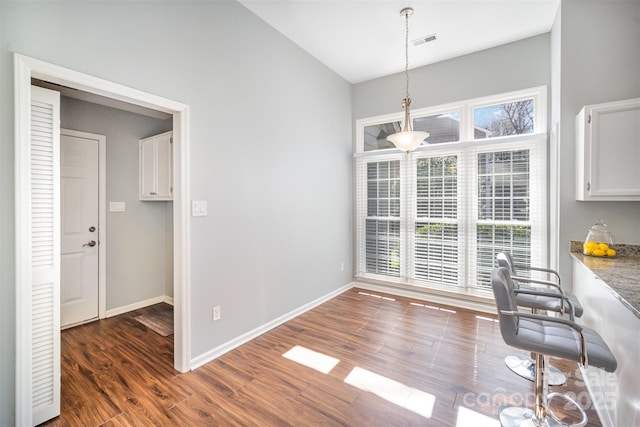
pixel 513 66
pixel 599 62
pixel 139 240
pixel 270 150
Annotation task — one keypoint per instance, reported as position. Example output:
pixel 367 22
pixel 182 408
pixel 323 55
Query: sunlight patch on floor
pixel 410 398
pixel 311 359
pixel 376 296
pixel 489 319
pixel 432 307
pixel 470 418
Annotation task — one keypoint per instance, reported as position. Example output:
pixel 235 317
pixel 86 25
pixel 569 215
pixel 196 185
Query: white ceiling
pixel 364 39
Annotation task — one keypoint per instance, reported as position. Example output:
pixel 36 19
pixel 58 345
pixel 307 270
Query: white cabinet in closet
pixel 156 175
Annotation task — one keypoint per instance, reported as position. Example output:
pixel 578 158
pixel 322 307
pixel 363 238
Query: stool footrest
pixel 524 417
pixel 551 414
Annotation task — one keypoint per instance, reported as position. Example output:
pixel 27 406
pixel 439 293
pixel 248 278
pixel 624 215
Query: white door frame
pixel 26 68
pixel 102 214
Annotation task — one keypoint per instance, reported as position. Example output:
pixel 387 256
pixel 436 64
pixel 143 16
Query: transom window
pixel 437 217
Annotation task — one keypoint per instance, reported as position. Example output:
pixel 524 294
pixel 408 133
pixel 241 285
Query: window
pixel 436 225
pixel 375 136
pixel 437 217
pixel 508 118
pixel 503 222
pixel 443 127
pixel 382 254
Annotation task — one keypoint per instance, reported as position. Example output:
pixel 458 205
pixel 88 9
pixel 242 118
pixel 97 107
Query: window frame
pixel 467 149
pixel 362 199
pixel 538 94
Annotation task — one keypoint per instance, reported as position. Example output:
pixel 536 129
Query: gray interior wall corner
pixel 554 146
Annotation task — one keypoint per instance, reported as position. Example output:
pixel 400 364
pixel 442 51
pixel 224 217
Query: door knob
pixel 92 229
pixel 90 244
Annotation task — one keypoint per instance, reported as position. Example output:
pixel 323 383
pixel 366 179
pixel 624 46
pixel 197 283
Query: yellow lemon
pixel 603 246
pixel 588 251
pixel 598 252
pixel 592 245
pixel 611 252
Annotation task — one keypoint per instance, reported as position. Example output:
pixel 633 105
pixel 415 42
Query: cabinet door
pixel 156 164
pixel 147 168
pixel 164 165
pixel 608 151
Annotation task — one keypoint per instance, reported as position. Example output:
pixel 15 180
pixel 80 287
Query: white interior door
pixel 44 255
pixel 80 245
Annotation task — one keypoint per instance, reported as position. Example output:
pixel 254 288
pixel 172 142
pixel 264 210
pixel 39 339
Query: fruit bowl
pixel 598 241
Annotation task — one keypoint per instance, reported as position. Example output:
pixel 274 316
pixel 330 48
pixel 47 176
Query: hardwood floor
pixel 423 364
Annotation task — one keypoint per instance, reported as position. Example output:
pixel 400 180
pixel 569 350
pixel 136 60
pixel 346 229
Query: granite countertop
pixel 621 274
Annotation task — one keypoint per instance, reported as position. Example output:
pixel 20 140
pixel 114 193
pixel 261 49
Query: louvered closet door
pixel 45 254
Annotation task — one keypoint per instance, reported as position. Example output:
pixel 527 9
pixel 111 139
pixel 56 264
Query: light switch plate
pixel 116 206
pixel 198 208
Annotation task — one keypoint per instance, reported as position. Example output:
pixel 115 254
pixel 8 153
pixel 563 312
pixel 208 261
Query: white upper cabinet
pixel 608 151
pixel 156 175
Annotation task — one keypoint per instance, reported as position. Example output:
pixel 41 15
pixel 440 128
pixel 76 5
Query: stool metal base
pixel 526 368
pixel 524 417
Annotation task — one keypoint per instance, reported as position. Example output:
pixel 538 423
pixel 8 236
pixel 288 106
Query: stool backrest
pixel 503 291
pixel 506 260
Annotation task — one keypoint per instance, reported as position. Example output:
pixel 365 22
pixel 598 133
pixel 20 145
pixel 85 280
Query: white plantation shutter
pixel 435 227
pixel 509 210
pixel 379 225
pixel 45 254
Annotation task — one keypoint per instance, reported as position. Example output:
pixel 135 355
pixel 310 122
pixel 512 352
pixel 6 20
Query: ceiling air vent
pixel 423 40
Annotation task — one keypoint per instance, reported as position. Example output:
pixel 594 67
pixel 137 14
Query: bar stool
pixel 538 298
pixel 544 336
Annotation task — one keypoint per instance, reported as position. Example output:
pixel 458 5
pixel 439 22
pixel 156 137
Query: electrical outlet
pixel 216 313
pixel 342 266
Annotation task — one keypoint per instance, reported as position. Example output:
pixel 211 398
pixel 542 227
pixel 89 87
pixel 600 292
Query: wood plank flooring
pixel 424 364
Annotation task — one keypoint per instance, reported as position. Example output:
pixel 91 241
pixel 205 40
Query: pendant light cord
pixel 407 139
pixel 406 52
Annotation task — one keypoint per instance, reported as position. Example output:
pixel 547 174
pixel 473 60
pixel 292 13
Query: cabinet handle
pixel 152 193
pixel 588 186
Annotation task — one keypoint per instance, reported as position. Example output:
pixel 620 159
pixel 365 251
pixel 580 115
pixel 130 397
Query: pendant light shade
pixel 408 139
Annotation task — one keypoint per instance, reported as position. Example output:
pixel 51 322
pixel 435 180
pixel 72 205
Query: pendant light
pixel 408 139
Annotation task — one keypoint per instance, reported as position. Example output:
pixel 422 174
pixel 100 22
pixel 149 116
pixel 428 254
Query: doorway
pixel 27 68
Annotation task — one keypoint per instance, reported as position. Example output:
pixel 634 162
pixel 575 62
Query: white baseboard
pixel 139 304
pixel 213 354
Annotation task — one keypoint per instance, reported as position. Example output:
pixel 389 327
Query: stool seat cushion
pixel 559 340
